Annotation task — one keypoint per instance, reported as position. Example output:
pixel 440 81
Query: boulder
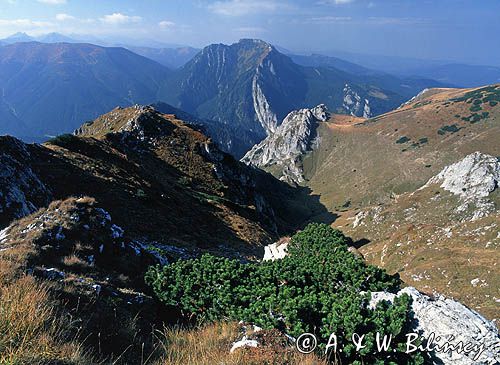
pixel 452 322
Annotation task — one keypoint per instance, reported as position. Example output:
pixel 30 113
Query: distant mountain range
pixel 48 89
pixel 240 92
pixel 458 74
pixel 245 89
pixel 46 38
pixel 172 58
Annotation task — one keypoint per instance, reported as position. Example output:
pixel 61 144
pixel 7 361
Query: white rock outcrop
pixel 417 97
pixel 289 142
pixel 276 251
pixel 473 179
pixel 452 322
pixel 263 111
pixel 354 104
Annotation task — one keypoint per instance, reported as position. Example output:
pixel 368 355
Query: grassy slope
pixel 362 161
pixel 161 194
pixel 360 164
pixel 421 237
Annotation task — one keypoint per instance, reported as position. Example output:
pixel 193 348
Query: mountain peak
pixel 55 38
pixel 254 42
pixel 143 121
pixel 18 37
pixel 244 43
pixel 19 34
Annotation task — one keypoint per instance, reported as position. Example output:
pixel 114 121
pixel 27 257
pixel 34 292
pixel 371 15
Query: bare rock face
pixel 452 322
pixel 473 179
pixel 354 104
pixel 21 190
pixel 421 95
pixel 284 148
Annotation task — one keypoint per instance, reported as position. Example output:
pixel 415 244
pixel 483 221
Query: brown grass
pixel 210 345
pixel 31 331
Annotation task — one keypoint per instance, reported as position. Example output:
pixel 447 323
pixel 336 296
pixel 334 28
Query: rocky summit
pixel 138 163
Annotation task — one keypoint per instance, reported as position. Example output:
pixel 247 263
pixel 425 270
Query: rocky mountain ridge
pixel 138 163
pixel 283 148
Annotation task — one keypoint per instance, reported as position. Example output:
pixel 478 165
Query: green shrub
pixel 402 140
pixel 319 287
pixel 184 181
pixel 475 108
pixel 62 140
pixel 449 128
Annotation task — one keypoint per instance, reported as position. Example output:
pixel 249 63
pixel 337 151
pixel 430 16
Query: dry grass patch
pixel 210 345
pixel 31 332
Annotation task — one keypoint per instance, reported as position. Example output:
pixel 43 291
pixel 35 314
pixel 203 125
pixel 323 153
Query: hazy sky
pixel 460 30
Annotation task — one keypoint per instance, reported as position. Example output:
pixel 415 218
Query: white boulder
pixel 452 322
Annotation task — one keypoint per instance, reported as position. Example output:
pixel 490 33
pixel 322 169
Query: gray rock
pixel 453 322
pixel 289 142
pixel 473 179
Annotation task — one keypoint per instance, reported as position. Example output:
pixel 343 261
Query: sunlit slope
pixel 364 162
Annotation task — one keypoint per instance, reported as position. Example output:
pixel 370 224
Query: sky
pixel 455 30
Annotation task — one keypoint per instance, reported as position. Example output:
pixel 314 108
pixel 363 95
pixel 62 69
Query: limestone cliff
pixel 283 150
